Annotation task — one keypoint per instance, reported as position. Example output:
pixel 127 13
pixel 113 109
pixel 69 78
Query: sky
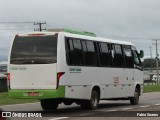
pixel 136 21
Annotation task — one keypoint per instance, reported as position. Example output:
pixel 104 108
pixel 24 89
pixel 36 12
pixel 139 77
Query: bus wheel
pixel 135 99
pixel 91 104
pixel 49 104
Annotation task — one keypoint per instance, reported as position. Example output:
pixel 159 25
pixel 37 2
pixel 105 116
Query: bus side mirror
pixel 141 54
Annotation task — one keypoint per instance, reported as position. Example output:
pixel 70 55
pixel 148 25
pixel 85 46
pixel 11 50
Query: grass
pixel 151 88
pixel 6 100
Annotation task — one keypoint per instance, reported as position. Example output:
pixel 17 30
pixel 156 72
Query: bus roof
pixel 73 32
pixel 76 34
pixel 99 39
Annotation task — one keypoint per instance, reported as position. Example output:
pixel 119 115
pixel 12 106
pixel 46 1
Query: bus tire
pixel 135 99
pixel 91 104
pixel 49 104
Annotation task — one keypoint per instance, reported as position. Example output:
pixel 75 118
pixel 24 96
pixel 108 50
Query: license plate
pixel 33 93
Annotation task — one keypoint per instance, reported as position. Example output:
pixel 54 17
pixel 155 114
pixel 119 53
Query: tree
pixel 147 63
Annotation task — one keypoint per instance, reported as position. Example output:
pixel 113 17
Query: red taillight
pixel 59 75
pixel 8 78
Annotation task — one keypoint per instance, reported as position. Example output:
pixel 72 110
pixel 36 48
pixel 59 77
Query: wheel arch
pixel 97 88
pixel 138 86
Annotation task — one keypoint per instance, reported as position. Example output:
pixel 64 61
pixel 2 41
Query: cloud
pixel 116 19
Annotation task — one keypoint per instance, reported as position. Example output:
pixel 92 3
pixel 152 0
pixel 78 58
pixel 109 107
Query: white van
pixel 154 78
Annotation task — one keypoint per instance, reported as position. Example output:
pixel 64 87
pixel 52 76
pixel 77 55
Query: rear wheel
pixel 91 104
pixel 49 104
pixel 135 99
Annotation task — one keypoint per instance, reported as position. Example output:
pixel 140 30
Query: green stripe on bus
pixel 43 94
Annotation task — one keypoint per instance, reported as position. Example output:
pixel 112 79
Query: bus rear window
pixel 34 50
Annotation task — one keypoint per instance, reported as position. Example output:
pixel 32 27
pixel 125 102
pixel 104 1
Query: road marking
pixel 60 118
pixel 157 104
pixel 111 110
pixel 86 114
pixel 126 108
pixel 144 106
pixel 19 104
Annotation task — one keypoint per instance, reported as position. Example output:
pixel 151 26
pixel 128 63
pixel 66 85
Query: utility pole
pixel 157 60
pixel 40 26
pixel 151 57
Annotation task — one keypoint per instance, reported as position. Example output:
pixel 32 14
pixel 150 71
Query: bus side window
pixel 75 52
pixel 117 56
pixel 136 59
pixel 105 59
pixel 128 57
pixel 90 54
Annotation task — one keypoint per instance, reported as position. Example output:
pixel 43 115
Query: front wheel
pixel 135 99
pixel 49 104
pixel 91 104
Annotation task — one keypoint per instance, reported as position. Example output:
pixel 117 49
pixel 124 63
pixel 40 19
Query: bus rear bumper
pixel 38 94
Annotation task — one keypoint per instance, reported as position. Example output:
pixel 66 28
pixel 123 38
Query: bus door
pixel 128 84
pixel 138 71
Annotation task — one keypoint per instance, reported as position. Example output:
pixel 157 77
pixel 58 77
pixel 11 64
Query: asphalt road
pixel 148 108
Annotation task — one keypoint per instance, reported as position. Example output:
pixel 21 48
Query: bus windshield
pixel 34 50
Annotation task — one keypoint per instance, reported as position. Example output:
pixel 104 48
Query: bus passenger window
pixel 84 46
pixel 118 59
pixel 75 52
pixel 90 54
pixel 70 44
pixel 105 59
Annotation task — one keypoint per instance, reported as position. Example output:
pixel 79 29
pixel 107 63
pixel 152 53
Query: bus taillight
pixel 8 78
pixel 59 75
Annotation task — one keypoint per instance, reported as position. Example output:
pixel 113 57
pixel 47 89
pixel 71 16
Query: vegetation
pixel 5 100
pixel 151 88
pixel 147 63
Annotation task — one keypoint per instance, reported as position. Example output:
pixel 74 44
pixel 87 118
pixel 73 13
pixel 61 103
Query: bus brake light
pixel 36 34
pixel 8 78
pixel 59 75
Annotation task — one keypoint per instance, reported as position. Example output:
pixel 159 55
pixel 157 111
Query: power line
pixel 14 22
pixel 35 23
pixel 55 24
pixel 18 29
pixel 125 37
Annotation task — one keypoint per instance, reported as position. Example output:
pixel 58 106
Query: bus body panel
pixel 33 76
pixel 105 77
pixel 32 62
pixel 138 79
pixel 79 79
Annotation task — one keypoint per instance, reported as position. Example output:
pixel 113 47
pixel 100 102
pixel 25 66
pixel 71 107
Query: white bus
pixel 66 66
